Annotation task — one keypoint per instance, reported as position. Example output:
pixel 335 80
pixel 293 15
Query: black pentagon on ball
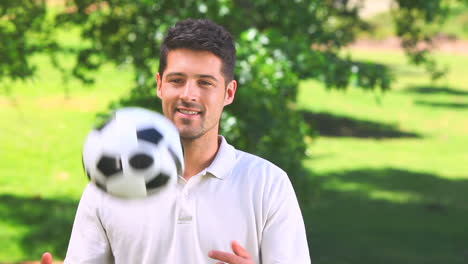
pixel 150 134
pixel 109 166
pixel 160 180
pixel 141 161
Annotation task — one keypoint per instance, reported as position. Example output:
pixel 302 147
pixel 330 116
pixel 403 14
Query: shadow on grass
pixel 385 216
pixel 440 90
pixel 331 125
pixel 438 104
pixel 47 223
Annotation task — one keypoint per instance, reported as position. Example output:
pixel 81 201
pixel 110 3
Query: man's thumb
pixel 46 258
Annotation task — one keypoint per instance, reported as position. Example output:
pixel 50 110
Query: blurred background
pixel 363 103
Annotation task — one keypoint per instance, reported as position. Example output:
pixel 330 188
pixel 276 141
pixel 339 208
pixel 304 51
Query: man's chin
pixel 190 134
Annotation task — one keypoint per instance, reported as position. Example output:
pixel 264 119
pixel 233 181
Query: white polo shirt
pixel 238 197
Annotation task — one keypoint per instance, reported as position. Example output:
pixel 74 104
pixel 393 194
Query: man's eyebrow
pixel 181 74
pixel 207 76
pixel 176 74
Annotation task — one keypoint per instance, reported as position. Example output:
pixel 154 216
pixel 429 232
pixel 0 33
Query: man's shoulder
pixel 256 164
pixel 247 165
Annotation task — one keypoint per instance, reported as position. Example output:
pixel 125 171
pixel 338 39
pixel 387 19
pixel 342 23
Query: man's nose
pixel 190 92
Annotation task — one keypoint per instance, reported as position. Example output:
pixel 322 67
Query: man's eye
pixel 204 83
pixel 176 81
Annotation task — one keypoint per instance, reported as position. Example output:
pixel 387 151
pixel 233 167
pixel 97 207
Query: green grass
pixel 392 174
pixel 44 123
pixel 388 174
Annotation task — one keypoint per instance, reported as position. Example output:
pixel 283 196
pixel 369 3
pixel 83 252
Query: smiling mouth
pixel 187 112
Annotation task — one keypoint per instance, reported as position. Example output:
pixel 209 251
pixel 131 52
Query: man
pixel 229 207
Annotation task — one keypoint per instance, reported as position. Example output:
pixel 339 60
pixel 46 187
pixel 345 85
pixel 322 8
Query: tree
pixel 411 19
pixel 279 43
pixel 274 43
pixel 24 31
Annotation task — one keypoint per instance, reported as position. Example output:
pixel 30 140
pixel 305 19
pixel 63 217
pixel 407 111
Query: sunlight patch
pixel 373 192
pixel 82 104
pixel 394 196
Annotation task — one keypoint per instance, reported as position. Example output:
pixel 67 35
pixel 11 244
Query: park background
pixel 374 139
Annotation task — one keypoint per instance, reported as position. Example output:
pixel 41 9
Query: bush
pixel 262 119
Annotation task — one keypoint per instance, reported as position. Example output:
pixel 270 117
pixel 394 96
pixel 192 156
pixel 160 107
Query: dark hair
pixel 202 35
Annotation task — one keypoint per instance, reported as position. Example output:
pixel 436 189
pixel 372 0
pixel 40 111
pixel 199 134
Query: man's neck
pixel 199 153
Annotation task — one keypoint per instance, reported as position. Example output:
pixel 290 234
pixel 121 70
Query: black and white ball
pixel 134 154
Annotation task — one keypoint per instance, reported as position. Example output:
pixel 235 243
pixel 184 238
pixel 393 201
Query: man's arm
pixel 88 241
pixel 284 237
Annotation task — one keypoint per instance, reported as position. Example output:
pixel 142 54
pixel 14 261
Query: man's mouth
pixel 188 112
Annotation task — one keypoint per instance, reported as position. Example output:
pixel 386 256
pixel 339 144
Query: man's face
pixel 193 92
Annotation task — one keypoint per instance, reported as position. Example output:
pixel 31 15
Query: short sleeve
pixel 284 238
pixel 88 241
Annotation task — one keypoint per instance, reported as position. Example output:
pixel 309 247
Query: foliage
pixel 456 25
pixel 453 26
pixel 273 55
pixel 293 41
pixel 411 20
pixel 131 31
pixel 263 119
pixel 24 31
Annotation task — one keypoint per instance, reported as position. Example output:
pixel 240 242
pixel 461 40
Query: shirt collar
pixel 224 160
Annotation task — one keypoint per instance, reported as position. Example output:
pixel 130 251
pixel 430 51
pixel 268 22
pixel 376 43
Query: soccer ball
pixel 135 153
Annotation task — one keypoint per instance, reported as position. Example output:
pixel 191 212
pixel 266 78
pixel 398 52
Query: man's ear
pixel 158 84
pixel 230 92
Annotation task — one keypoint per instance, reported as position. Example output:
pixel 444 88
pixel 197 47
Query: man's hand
pixel 46 258
pixel 240 256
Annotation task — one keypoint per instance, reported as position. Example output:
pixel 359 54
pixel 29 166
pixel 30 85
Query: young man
pixel 229 206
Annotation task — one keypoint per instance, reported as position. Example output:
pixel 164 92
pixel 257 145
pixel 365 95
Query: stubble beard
pixel 190 134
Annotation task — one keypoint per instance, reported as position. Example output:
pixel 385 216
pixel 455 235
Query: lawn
pixel 388 173
pixel 391 169
pixel 41 176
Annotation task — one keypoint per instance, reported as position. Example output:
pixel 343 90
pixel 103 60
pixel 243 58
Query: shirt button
pixel 185 218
